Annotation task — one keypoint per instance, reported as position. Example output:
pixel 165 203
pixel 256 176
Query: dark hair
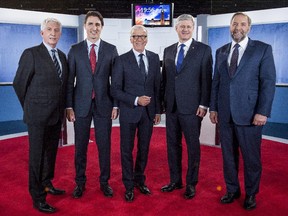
pixel 242 14
pixel 94 14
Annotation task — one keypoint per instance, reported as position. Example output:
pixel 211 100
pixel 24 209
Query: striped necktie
pixel 56 63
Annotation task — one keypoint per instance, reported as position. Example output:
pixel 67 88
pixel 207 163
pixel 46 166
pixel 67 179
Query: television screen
pixel 152 15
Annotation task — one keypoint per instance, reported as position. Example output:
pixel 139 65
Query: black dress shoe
pixel 78 191
pixel 54 191
pixel 190 192
pixel 44 207
pixel 106 189
pixel 129 195
pixel 229 197
pixel 250 202
pixel 170 187
pixel 143 189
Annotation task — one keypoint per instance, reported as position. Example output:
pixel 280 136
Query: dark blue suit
pixel 237 99
pixel 127 84
pixel 183 93
pixel 79 97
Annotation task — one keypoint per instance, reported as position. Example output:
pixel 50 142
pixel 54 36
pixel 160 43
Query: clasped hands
pixel 144 100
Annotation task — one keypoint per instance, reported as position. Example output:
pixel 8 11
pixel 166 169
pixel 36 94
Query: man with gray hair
pixel 185 91
pixel 40 84
pixel 136 81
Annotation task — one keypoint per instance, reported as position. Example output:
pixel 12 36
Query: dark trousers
pixel 127 133
pixel 43 146
pixel 248 139
pixel 102 128
pixel 190 126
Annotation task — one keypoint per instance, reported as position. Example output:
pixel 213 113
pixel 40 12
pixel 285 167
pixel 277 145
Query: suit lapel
pixel 246 56
pixel 44 52
pixel 134 64
pixel 189 55
pixel 84 51
pixel 101 54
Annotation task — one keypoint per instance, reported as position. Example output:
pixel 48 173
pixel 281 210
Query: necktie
pixel 180 58
pixel 93 58
pixel 56 63
pixel 234 60
pixel 93 64
pixel 142 65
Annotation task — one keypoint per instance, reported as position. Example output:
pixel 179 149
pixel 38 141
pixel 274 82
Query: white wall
pixel 32 17
pixel 258 17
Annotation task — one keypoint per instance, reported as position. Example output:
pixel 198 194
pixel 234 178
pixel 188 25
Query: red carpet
pixel 15 199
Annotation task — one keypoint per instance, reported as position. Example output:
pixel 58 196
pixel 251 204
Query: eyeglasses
pixel 136 37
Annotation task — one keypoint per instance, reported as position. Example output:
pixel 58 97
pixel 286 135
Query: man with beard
pixel 241 99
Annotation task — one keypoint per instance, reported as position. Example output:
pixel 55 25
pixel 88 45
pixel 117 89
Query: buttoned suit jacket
pixel 81 80
pixel 191 86
pixel 128 83
pixel 250 91
pixel 39 89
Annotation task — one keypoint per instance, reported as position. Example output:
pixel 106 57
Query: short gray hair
pixel 47 20
pixel 138 27
pixel 183 17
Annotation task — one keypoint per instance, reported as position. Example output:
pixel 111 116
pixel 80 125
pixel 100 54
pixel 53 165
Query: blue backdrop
pixel 15 38
pixel 274 34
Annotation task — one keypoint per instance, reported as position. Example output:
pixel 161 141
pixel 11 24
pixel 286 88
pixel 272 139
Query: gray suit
pixel 182 93
pixel 127 84
pixel 79 97
pixel 42 95
pixel 237 99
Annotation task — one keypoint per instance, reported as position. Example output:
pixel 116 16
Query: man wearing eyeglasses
pixel 136 85
pixel 187 75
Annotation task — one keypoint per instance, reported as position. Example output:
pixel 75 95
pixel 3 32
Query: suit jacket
pixel 81 80
pixel 38 87
pixel 191 86
pixel 250 91
pixel 128 83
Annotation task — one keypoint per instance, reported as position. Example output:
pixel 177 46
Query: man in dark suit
pixel 136 85
pixel 88 97
pixel 241 101
pixel 187 72
pixel 40 86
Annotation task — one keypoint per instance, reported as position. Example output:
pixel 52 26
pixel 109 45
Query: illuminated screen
pixel 158 15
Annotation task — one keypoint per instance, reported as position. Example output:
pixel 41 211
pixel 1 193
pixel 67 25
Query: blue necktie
pixel 56 63
pixel 234 60
pixel 180 58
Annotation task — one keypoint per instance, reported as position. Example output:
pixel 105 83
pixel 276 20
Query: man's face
pixel 184 30
pixel 239 28
pixel 51 34
pixel 93 28
pixel 139 40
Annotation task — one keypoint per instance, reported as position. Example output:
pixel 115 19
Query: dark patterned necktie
pixel 234 60
pixel 56 63
pixel 142 65
pixel 180 57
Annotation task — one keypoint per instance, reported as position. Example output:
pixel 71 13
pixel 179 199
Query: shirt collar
pixel 49 48
pixel 138 53
pixel 89 43
pixel 243 44
pixel 187 43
